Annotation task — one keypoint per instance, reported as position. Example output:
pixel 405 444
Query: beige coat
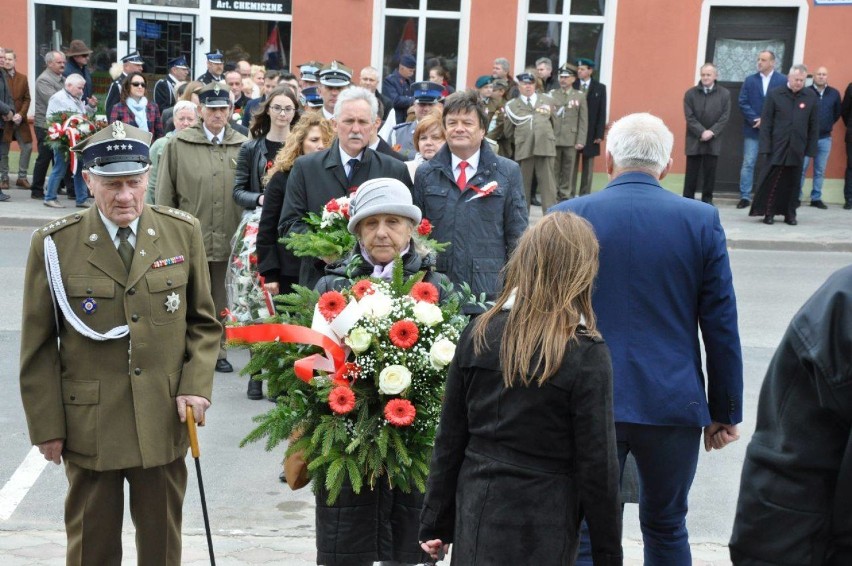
pixel 535 137
pixel 572 116
pixel 115 410
pixel 198 177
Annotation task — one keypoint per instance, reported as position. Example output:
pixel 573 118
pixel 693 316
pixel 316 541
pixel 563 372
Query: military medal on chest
pixel 172 302
pixel 89 305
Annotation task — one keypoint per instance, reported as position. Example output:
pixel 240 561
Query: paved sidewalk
pixel 818 230
pixel 47 548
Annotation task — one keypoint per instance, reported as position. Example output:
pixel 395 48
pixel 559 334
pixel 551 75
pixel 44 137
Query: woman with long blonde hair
pixel 526 442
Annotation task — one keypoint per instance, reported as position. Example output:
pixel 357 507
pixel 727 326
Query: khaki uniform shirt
pixel 531 130
pixel 572 116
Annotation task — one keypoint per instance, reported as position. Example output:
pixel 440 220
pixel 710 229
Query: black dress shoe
pixel 790 221
pixel 818 204
pixel 768 219
pixel 535 202
pixel 255 389
pixel 744 203
pixel 848 205
pixel 224 366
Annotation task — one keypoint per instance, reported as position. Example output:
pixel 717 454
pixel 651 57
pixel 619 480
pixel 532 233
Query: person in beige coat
pixel 572 119
pixel 196 175
pixel 530 121
pixel 119 335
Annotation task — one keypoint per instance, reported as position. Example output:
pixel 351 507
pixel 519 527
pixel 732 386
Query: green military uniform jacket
pixel 531 130
pixel 113 401
pixel 572 116
pixel 495 133
pixel 198 177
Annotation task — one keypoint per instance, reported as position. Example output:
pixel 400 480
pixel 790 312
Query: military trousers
pixel 540 168
pixel 588 164
pixel 94 509
pixel 218 270
pixel 566 155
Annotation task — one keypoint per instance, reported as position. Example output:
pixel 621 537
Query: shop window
pixel 160 37
pixel 564 30
pixel 257 41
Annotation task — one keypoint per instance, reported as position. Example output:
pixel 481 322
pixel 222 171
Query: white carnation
pixel 393 380
pixel 377 305
pixel 442 353
pixel 427 313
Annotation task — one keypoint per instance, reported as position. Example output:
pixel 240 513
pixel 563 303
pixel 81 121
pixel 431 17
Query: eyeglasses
pixel 137 84
pixel 275 109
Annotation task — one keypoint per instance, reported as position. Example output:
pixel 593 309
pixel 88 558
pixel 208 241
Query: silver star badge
pixel 172 302
pixel 142 253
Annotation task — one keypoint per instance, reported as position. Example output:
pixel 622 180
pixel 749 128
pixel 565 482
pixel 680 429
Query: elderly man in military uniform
pixel 165 91
pixel 215 68
pixel 426 97
pixel 333 78
pixel 119 335
pixel 572 121
pixel 530 123
pixel 196 175
pixel 131 63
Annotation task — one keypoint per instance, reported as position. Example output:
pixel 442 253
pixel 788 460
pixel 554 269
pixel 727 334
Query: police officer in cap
pixel 426 98
pixel 310 99
pixel 309 74
pixel 119 335
pixel 215 68
pixel 131 63
pixel 165 91
pixel 333 78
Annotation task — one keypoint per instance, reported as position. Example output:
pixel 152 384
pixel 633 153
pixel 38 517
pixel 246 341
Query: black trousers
pixel 704 167
pixel 847 185
pixel 43 161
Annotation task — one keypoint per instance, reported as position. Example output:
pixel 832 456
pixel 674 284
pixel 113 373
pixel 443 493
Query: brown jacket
pixel 20 90
pixel 113 401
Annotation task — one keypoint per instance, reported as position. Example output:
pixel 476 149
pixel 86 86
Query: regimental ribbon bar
pixel 168 261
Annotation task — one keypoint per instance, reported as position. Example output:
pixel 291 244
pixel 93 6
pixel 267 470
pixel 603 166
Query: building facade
pixel 648 51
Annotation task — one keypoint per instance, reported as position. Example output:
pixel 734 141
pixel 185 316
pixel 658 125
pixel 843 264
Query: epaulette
pixel 59 224
pixel 403 125
pixel 173 212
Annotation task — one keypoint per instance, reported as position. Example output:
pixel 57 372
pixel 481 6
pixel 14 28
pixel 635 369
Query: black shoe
pixel 708 201
pixel 790 221
pixel 818 204
pixel 535 202
pixel 768 219
pixel 4 197
pixel 744 203
pixel 255 389
pixel 224 366
pixel 37 195
pixel 848 205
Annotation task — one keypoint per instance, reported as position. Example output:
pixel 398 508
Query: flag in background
pixel 274 56
pixel 407 42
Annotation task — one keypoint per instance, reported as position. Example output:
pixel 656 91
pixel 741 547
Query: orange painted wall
pixel 492 35
pixel 15 36
pixel 327 29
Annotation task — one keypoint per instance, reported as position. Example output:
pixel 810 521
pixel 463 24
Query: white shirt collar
pixel 345 157
pixel 112 229
pixel 374 146
pixel 210 135
pixel 472 164
pixel 326 114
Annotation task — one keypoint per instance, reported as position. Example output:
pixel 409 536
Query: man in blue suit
pixel 752 94
pixel 664 273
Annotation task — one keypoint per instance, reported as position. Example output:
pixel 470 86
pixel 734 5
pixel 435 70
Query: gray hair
pixel 545 61
pixel 799 68
pixel 74 79
pixel 185 105
pixel 503 62
pixel 640 141
pixel 373 70
pixel 711 65
pixel 50 56
pixel 354 93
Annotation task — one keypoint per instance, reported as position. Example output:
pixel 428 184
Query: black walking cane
pixel 196 454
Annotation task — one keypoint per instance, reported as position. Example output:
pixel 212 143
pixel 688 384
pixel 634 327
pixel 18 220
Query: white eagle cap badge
pixel 118 132
pixel 172 302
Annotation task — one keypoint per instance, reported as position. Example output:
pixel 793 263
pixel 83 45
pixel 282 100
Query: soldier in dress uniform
pixel 215 68
pixel 530 122
pixel 333 79
pixel 309 74
pixel 572 121
pixel 119 335
pixel 426 96
pixel 131 63
pixel 165 91
pixel 484 88
pixel 497 115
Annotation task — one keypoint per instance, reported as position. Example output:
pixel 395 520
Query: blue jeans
pixel 750 148
pixel 823 149
pixel 60 166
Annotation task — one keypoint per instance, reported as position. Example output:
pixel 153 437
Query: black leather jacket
pixel 251 167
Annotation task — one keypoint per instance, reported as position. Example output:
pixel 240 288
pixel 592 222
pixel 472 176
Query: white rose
pixel 442 353
pixel 377 305
pixel 427 313
pixel 359 340
pixel 393 380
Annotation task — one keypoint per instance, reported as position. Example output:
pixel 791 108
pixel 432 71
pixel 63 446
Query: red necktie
pixel 462 180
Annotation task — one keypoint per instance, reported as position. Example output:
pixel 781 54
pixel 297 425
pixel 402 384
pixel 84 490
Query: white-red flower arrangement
pixel 247 300
pixel 65 129
pixel 372 418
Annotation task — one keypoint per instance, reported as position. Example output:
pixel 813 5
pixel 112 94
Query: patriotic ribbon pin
pixel 168 261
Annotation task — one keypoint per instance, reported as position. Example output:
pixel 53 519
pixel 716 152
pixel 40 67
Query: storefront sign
pixel 254 6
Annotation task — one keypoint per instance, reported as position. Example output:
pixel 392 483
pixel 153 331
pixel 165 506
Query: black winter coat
pixel 795 503
pixel 248 177
pixel 515 469
pixel 274 261
pixel 596 104
pixel 709 111
pixel 789 126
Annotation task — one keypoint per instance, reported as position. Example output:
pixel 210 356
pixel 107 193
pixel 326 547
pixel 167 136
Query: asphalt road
pixel 243 491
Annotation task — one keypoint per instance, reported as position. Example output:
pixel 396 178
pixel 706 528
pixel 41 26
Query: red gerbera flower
pixel 425 227
pixel 403 334
pixel 361 288
pixel 342 400
pixel 331 304
pixel 400 412
pixel 332 206
pixel 425 292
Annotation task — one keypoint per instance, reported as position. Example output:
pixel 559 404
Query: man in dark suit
pixel 596 108
pixel 337 171
pixel 165 91
pixel 752 94
pixel 846 114
pixel 131 63
pixel 660 404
